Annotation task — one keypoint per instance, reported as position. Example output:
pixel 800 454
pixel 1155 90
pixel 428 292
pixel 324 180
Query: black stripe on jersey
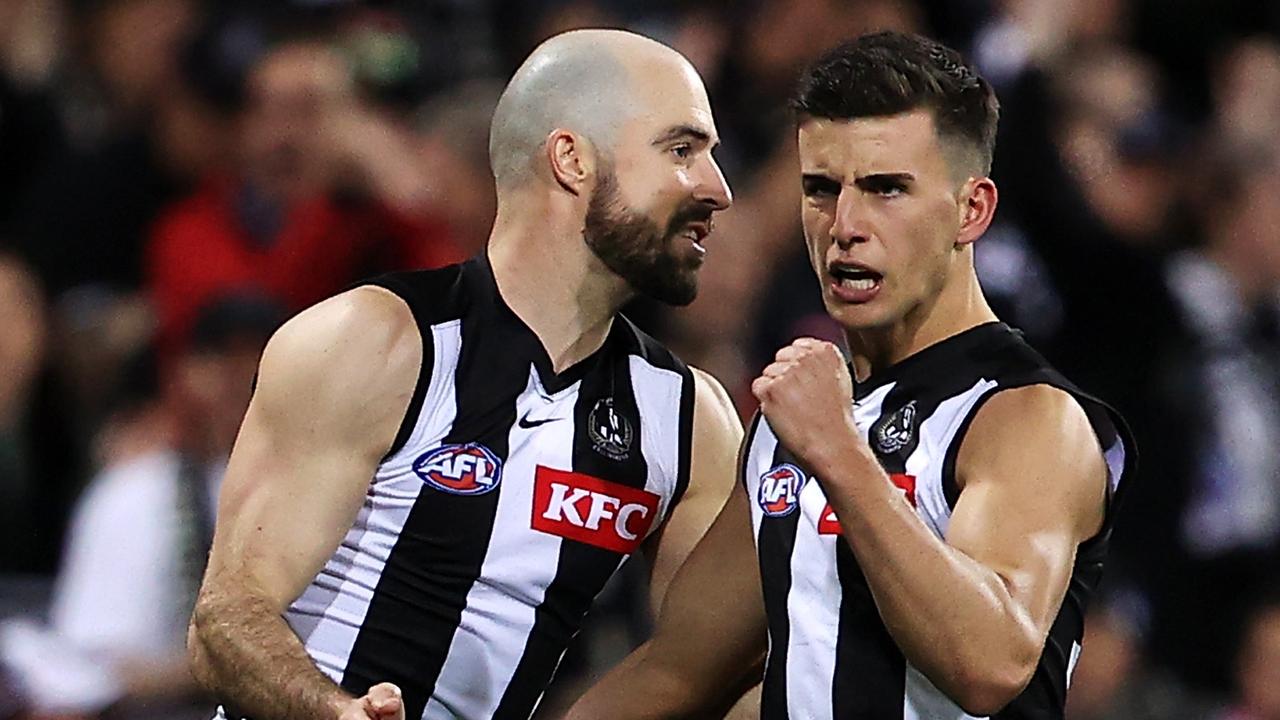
pixel 409 287
pixel 951 488
pixel 414 613
pixel 776 542
pixel 870 671
pixel 581 570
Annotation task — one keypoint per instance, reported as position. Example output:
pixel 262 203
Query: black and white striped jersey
pixel 510 496
pixel 830 655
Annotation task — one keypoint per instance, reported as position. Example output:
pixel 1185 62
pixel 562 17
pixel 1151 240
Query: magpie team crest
pixel 898 430
pixel 609 430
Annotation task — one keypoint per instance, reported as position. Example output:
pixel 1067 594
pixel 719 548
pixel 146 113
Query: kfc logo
pixel 592 511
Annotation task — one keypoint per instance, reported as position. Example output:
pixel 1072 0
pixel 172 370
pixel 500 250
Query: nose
pixel 712 188
pixel 850 226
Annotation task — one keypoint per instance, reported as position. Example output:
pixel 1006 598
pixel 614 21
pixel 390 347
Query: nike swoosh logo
pixel 528 424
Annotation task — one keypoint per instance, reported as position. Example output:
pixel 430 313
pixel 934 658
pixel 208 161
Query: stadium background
pixel 178 175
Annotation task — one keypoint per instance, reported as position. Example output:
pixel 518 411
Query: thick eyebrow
pixel 684 132
pixel 880 180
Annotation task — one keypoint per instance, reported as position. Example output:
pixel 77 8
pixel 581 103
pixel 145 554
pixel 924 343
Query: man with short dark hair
pixel 917 534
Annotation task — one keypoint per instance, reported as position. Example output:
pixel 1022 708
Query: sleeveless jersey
pixel 509 498
pixel 830 655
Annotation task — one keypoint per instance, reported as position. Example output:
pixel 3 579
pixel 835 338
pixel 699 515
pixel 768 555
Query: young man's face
pixel 881 211
pixel 651 209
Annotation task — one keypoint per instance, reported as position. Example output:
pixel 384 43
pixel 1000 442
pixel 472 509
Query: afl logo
pixel 470 469
pixel 780 490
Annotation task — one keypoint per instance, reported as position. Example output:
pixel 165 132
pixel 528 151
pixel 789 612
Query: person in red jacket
pixel 325 192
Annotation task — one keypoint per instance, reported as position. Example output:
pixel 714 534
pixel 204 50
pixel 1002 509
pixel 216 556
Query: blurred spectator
pixel 1247 90
pixel 326 191
pixel 453 142
pixel 1112 680
pixel 1215 513
pixel 140 134
pixel 316 171
pixel 1257 665
pixel 141 533
pixel 22 348
pixel 31 132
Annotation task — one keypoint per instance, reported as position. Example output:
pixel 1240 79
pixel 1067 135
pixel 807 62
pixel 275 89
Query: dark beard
pixel 635 248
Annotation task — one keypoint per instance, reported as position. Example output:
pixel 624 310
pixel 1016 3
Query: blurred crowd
pixel 179 176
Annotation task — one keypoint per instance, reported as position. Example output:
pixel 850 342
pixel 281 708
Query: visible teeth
pixel 698 246
pixel 858 284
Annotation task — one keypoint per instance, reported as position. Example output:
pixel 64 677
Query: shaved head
pixel 583 81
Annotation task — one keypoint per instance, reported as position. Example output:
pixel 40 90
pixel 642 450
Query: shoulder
pixel 710 395
pixel 1040 438
pixel 361 344
pixel 1039 414
pixel 714 414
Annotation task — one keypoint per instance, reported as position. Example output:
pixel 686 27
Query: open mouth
pixel 854 277
pixel 696 233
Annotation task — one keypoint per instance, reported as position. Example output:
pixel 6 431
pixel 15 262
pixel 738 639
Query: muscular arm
pixel 717 433
pixel 333 386
pixel 709 642
pixel 1032 482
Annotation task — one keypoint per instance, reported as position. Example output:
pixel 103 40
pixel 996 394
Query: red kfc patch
pixel 591 510
pixel 829 524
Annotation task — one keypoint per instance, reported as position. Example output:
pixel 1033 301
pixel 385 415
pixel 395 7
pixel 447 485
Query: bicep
pixel 285 505
pixel 713 619
pixel 332 391
pixel 716 436
pixel 1033 485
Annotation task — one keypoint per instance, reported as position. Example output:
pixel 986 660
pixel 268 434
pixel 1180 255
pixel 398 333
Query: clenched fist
pixel 382 702
pixel 806 394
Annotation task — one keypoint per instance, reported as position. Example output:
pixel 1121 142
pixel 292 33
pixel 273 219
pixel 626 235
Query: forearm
pixel 637 689
pixel 150 680
pixel 652 684
pixel 975 624
pixel 244 653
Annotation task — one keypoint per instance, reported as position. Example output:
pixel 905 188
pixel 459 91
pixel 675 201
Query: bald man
pixel 440 469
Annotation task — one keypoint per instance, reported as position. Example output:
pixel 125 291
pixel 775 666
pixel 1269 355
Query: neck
pixel 957 308
pixel 554 283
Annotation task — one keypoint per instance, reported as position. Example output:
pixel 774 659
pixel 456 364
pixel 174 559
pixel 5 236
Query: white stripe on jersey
pixel 813 604
pixel 657 408
pixel 477 670
pixel 328 614
pixel 936 435
pixel 813 609
pixel 439 405
pixel 813 601
pixel 480 665
pixel 1076 649
pixel 924 701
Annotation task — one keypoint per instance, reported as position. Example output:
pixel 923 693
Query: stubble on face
pixel 638 248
